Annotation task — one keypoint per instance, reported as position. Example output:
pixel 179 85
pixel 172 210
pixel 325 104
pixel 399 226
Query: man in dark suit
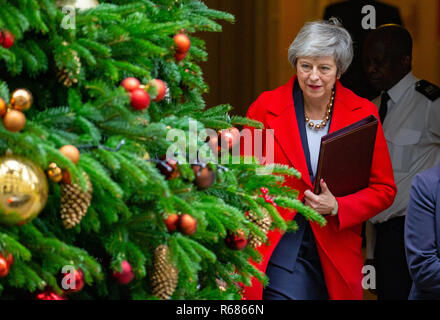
pixel 350 13
pixel 422 238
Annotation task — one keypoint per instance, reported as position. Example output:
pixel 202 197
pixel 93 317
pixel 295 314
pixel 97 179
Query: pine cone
pixel 263 223
pixel 165 275
pixel 74 203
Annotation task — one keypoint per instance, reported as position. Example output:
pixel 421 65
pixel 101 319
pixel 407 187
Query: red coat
pixel 339 242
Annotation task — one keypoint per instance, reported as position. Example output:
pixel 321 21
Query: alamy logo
pixel 369 21
pixel 369 279
pixel 69 281
pixel 68 21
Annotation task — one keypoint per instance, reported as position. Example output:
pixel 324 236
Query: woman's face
pixel 317 76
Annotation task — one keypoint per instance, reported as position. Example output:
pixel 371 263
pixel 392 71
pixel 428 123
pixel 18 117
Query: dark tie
pixel 383 106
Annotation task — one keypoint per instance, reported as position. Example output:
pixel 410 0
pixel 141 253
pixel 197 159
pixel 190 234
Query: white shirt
pixel 412 131
pixel 314 141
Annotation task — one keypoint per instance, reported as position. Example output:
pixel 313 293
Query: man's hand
pixel 324 203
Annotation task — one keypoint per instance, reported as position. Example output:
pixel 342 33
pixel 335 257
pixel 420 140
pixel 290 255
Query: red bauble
pixel 130 84
pixel 187 224
pixel 161 89
pixel 229 138
pixel 71 282
pixel 49 295
pixel 126 275
pixel 139 99
pixel 171 222
pixel 8 39
pixel 182 43
pixel 9 258
pixel 4 267
pixel 168 168
pixel 180 56
pixel 213 143
pixel 236 241
pixel 1 38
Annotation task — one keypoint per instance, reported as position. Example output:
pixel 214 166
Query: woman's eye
pixel 305 66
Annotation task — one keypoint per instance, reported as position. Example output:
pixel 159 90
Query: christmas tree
pixel 93 204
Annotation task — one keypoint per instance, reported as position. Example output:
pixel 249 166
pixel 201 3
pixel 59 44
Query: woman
pixel 316 262
pixel 422 239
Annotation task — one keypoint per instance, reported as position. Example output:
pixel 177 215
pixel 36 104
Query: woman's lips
pixel 314 87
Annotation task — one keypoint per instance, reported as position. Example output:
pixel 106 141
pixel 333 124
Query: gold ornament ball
pixel 21 99
pixel 70 152
pixel 23 190
pixel 54 172
pixel 14 120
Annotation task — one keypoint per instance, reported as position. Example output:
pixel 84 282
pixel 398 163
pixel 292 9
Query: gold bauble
pixel 77 4
pixel 21 99
pixel 54 172
pixel 23 190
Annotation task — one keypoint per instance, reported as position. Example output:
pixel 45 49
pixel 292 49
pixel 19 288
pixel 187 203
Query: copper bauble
pixel 70 152
pixel 187 224
pixel 21 99
pixel 23 190
pixel 54 172
pixel 204 176
pixel 14 120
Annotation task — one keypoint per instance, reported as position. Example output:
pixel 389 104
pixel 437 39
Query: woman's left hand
pixel 324 203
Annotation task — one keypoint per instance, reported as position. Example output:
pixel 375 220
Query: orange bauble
pixel 14 120
pixel 3 107
pixel 187 224
pixel 171 222
pixel 70 152
pixel 182 43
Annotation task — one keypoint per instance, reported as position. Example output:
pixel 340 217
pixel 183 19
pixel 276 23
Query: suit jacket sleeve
pixel 420 235
pixel 358 207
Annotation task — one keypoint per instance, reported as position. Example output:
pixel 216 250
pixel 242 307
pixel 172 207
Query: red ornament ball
pixel 4 267
pixel 130 84
pixel 8 39
pixel 49 295
pixel 71 282
pixel 139 99
pixel 229 138
pixel 168 168
pixel 236 240
pixel 161 89
pixel 8 257
pixel 180 56
pixel 126 275
pixel 1 38
pixel 187 224
pixel 182 43
pixel 171 222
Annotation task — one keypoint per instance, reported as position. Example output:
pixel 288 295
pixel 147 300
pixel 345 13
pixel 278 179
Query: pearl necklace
pixel 326 118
